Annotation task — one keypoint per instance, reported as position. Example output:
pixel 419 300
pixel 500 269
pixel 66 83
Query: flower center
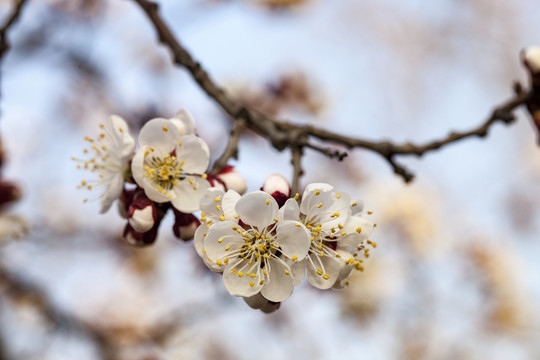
pixel 164 172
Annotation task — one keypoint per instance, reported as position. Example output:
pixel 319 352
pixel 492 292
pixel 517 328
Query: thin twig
pixel 282 134
pixel 12 18
pixel 231 151
pixel 296 161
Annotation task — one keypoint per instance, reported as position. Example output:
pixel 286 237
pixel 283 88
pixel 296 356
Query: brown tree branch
pixel 231 150
pixel 296 161
pixel 11 19
pixel 283 134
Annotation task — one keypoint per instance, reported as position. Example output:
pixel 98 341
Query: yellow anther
pixel 218 208
pixel 264 272
pixel 191 181
pixel 354 204
pixel 294 258
pixel 317 192
pixel 233 271
pixel 320 246
pixel 261 282
pixel 204 176
pixel 334 215
pixel 343 233
pixel 319 206
pixel 204 251
pixel 319 272
pixel 287 272
pixel 326 276
pixel 222 217
pixel 217 199
pixel 340 226
pixel 240 274
pixel 359 229
pixel 203 219
pixel 228 248
pixel 83 183
pixel 244 233
pixel 226 261
pixel 152 149
pixel 267 201
pixel 253 275
pixel 374 225
pixel 370 212
pixel 296 196
pixel 298 225
pixel 235 228
pixel 321 253
pixel 338 195
pixel 218 262
pixel 251 283
pixel 338 256
pixel 165 129
pixel 89 187
pixel 275 220
pixel 236 216
pixel 220 241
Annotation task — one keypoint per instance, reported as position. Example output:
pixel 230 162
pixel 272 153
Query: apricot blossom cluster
pixel 263 243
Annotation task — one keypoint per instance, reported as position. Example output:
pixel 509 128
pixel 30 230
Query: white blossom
pixel 255 253
pixel 531 58
pixel 111 152
pixel 325 213
pixel 170 167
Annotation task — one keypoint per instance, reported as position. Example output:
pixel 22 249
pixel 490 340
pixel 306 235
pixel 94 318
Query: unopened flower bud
pixel 183 122
pixel 258 302
pixel 185 225
pixel 9 192
pixel 124 201
pixel 277 186
pixel 531 59
pixel 136 238
pixel 142 213
pixel 232 180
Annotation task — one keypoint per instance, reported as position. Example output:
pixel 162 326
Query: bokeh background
pixel 455 274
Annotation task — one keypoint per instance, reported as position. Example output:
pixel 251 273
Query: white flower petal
pixel 208 203
pixel 316 199
pixel 137 166
pixel 345 270
pixel 358 229
pixel 237 285
pixel 113 192
pixel 298 269
pixel 199 246
pixel 316 272
pixel 218 239
pixel 280 283
pixel 256 301
pixel 290 210
pixel 188 196
pixel 257 209
pixel 195 154
pixel 228 202
pixel 160 135
pixel 124 141
pixel 293 239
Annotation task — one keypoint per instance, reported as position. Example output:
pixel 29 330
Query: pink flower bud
pixel 233 180
pixel 142 213
pixel 136 238
pixel 277 186
pixel 531 59
pixel 185 225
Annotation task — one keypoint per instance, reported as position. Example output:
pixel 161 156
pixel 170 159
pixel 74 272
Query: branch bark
pixel 11 19
pixel 283 135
